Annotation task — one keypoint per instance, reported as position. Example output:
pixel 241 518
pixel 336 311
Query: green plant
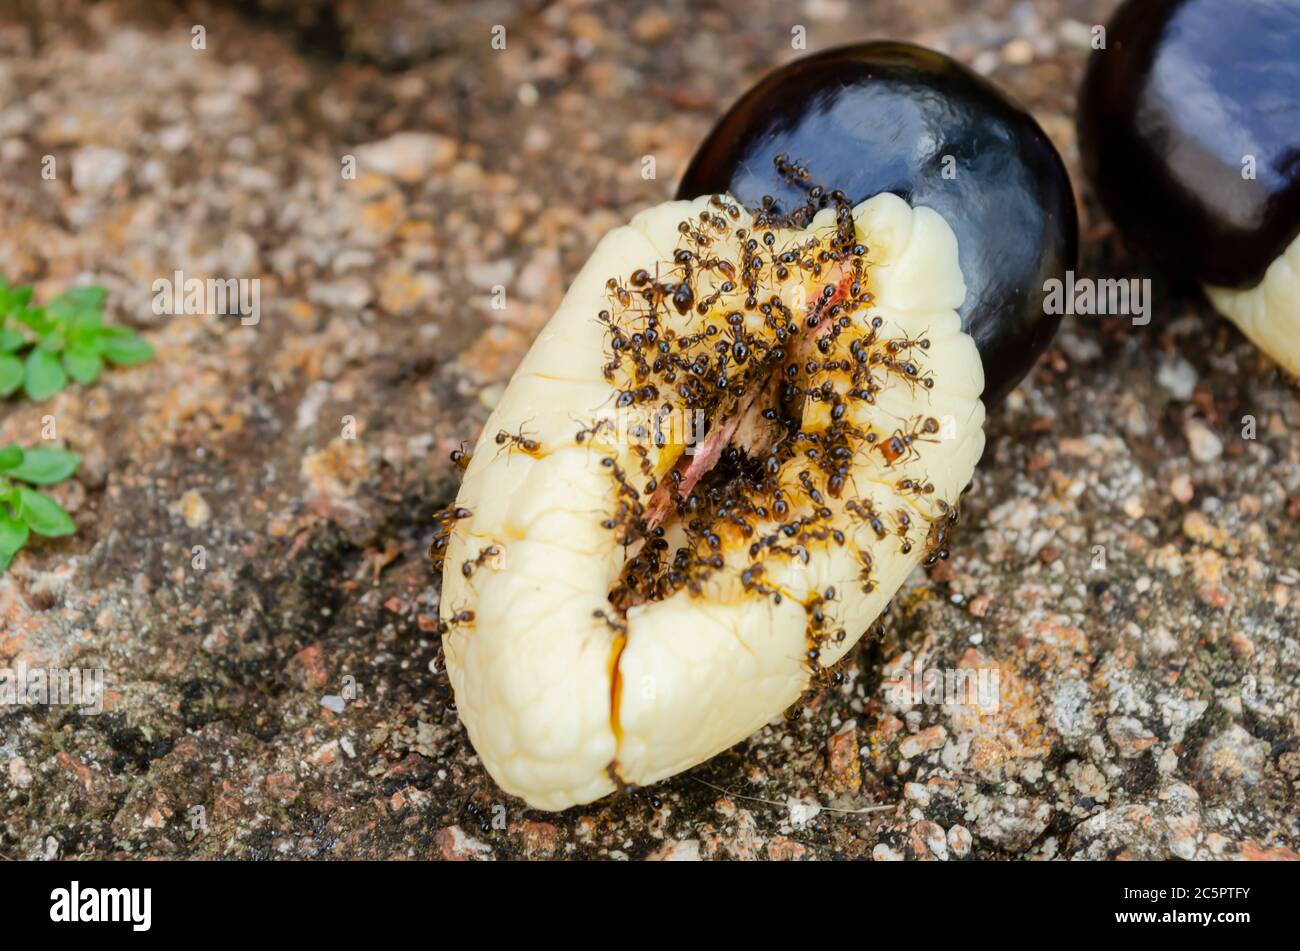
pixel 24 510
pixel 41 348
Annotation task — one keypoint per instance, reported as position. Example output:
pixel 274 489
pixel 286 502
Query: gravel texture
pixel 255 505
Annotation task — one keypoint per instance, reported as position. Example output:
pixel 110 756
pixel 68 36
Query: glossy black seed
pixel 1186 96
pixel 895 117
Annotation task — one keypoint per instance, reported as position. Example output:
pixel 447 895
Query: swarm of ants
pixel 713 335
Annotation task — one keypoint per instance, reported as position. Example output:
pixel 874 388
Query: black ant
pixel 442 532
pixel 904 522
pixel 461 457
pixel 464 616
pixel 866 513
pixel 590 432
pixel 741 341
pixel 519 441
pixel 896 345
pixel 469 566
pixel 917 487
pixel 864 559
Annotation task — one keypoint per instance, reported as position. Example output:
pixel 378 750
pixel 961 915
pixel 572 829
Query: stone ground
pixel 1127 564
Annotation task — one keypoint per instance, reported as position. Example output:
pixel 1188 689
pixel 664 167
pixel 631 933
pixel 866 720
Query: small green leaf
pixel 45 466
pixel 43 375
pixel 82 365
pixel 65 340
pixel 11 340
pixel 13 536
pixel 54 341
pixel 35 318
pixel 87 337
pixel 84 320
pixel 10 456
pixel 77 308
pixel 126 351
pixel 13 298
pixel 43 515
pixel 11 374
pixel 89 297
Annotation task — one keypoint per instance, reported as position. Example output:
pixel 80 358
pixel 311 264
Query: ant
pixel 618 292
pixel 815 611
pixel 461 457
pixel 464 616
pixel 442 532
pixel 904 522
pixel 917 487
pixel 590 432
pixel 898 360
pixel 868 583
pixel 718 201
pixel 866 512
pixel 920 489
pixel 519 441
pixel 468 568
pixel 742 342
pixel 897 345
pixel 902 444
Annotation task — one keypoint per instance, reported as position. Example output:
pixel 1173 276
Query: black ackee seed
pixel 1168 158
pixel 895 117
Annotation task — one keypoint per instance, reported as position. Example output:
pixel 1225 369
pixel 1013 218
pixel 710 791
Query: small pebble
pixel 1204 444
pixel 1018 52
pixel 1177 376
pixel 95 169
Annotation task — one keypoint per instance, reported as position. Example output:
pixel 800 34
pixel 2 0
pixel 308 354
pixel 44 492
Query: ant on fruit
pixel 442 532
pixel 903 522
pixel 461 457
pixel 525 444
pixel 865 512
pixel 902 444
pixel 618 292
pixel 593 430
pixel 469 567
pixel 868 583
pixel 462 617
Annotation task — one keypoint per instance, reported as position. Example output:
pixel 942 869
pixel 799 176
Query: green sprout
pixel 23 510
pixel 41 348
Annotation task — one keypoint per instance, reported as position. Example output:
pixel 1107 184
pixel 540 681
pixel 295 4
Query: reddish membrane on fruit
pixel 734 440
pixel 757 406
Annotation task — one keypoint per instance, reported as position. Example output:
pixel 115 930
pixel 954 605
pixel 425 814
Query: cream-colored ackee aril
pixel 1269 312
pixel 573 673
